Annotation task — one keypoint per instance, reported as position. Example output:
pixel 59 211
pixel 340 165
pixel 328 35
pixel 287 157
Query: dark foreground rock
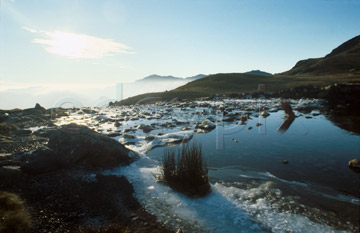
pixel 75 145
pixel 67 202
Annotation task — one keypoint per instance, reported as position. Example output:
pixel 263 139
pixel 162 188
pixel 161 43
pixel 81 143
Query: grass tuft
pixel 13 217
pixel 184 170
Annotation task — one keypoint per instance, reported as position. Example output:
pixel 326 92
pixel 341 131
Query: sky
pixel 83 44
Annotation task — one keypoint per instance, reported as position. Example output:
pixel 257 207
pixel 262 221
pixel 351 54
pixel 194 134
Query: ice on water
pixel 227 208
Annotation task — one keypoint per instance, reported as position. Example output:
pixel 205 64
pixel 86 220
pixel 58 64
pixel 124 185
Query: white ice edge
pixel 226 209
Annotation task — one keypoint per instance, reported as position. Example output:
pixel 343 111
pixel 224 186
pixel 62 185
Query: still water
pixel 317 153
pixel 253 188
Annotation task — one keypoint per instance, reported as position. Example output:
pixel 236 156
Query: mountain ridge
pixel 160 78
pixel 344 58
pixel 341 65
pixel 258 72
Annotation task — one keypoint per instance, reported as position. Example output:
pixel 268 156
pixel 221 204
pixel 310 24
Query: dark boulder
pixel 43 160
pixel 74 145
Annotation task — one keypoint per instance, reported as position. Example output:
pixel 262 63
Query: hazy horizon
pixel 53 49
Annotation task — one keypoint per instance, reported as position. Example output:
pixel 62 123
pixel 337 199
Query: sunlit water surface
pixel 252 189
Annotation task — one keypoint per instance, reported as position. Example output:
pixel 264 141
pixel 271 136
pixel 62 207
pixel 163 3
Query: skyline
pixel 88 44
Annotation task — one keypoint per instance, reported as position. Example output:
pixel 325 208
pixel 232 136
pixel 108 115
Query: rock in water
pixel 73 145
pixel 206 125
pixel 264 114
pixel 149 137
pixel 147 128
pixel 117 124
pixel 354 165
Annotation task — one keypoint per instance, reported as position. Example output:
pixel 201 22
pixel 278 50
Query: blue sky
pixel 99 43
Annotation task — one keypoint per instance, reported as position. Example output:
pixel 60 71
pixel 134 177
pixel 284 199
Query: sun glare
pixel 73 45
pixel 67 44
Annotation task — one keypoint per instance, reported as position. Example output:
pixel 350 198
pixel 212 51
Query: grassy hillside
pixel 340 66
pixel 342 60
pixel 237 83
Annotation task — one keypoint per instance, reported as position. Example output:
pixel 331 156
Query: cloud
pixel 29 29
pixel 78 46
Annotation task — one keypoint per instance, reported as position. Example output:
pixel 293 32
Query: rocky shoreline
pixel 56 171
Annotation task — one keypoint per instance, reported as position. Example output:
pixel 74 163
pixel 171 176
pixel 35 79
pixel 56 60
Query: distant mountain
pixel 196 77
pixel 343 59
pixel 159 78
pixel 258 72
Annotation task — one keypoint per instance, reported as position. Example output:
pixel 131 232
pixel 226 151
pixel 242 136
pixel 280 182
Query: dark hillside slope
pixel 225 83
pixel 343 59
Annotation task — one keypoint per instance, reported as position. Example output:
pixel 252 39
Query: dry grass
pixel 13 217
pixel 184 170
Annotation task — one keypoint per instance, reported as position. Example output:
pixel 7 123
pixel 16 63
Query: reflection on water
pixel 318 153
pixel 286 124
pixel 290 117
pixel 347 122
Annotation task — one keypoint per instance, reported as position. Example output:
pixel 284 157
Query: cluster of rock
pixel 51 148
pixel 15 125
pixel 73 145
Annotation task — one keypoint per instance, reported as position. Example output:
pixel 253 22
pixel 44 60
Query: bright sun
pixel 73 45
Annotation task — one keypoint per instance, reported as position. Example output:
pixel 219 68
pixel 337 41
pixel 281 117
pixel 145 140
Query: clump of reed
pixel 184 170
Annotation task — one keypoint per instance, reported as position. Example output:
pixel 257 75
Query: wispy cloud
pixel 29 29
pixel 78 46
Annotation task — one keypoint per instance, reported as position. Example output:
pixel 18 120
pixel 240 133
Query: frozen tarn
pixel 336 196
pixel 142 146
pixel 225 209
pixel 178 211
pixel 266 215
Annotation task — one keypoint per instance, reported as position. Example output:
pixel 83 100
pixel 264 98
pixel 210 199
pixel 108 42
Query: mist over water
pixel 83 95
